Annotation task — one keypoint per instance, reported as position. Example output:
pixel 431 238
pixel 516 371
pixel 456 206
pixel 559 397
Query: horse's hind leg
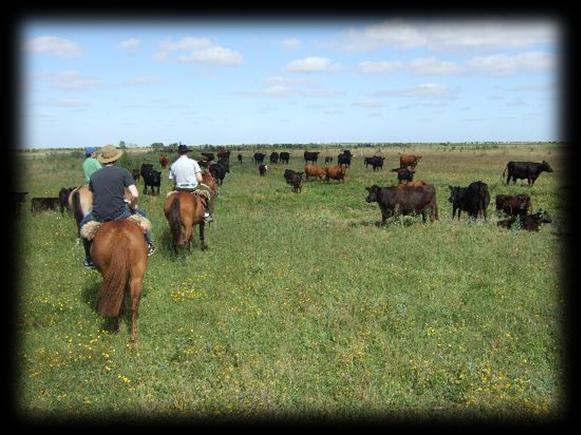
pixel 135 289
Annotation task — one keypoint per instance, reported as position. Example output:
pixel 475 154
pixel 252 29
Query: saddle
pixel 204 194
pixel 89 230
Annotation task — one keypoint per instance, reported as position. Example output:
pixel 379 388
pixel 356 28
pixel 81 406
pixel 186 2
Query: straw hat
pixel 109 154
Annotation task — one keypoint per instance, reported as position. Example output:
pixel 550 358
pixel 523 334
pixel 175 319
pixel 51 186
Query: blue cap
pixel 90 150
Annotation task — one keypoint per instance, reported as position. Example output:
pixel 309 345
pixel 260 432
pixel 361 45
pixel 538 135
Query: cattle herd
pixel 407 197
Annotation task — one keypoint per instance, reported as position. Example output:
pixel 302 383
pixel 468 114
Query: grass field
pixel 303 306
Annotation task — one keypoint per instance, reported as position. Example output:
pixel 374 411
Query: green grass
pixel 303 305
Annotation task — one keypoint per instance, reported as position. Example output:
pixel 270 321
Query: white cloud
pixel 432 66
pixel 54 45
pixel 215 55
pixel 280 86
pixel 503 64
pixel 427 90
pixel 130 45
pixel 290 43
pixel 312 64
pixel 369 104
pixel 199 50
pixel 143 80
pixel 379 67
pixel 468 34
pixel 72 80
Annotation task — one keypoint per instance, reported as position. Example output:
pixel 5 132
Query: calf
pixel 528 170
pixel 531 222
pixel 404 200
pixel 136 173
pixel 296 181
pixel 40 204
pixel 513 205
pixel 288 173
pixel 262 169
pixel 404 174
pixel 335 172
pixel 473 199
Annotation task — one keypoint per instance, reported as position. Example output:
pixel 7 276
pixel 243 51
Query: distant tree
pixel 122 145
pixel 157 145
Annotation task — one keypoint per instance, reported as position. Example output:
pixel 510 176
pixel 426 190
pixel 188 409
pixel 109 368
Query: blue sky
pixel 250 81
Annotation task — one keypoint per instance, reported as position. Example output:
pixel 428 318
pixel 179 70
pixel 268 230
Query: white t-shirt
pixel 183 171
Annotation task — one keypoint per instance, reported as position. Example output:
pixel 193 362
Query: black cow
pixel 136 173
pixel 218 171
pixel 274 156
pixel 377 162
pixel 311 156
pixel 240 158
pixel 528 170
pixel 64 194
pixel 262 169
pixel 531 222
pixel 296 181
pixel 287 174
pixel 404 174
pixel 16 199
pixel 284 157
pixel 40 204
pixel 151 178
pixel 513 205
pixel 473 199
pixel 396 200
pixel 209 156
pixel 259 158
pixel 344 160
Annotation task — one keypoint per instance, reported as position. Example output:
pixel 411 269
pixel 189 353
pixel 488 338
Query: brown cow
pixel 163 161
pixel 531 222
pixel 336 172
pixel 513 205
pixel 314 171
pixel 409 160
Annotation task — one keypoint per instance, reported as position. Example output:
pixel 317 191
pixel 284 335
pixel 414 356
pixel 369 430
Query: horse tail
pixel 77 209
pixel 175 221
pixel 114 281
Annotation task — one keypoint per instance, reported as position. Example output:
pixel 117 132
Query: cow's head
pixel 543 217
pixel 454 194
pixel 373 193
pixel 547 167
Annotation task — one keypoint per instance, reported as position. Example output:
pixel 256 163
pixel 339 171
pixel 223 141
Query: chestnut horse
pixel 119 252
pixel 184 209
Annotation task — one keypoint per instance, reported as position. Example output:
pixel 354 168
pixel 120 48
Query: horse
pixel 81 204
pixel 119 252
pixel 183 210
pixel 209 180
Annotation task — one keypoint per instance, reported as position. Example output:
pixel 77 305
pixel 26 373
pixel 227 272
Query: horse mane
pixel 175 222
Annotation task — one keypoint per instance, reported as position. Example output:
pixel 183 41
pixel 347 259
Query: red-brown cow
pixel 163 161
pixel 336 172
pixel 410 160
pixel 314 171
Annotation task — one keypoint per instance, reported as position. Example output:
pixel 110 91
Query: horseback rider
pixel 90 164
pixel 187 176
pixel 108 186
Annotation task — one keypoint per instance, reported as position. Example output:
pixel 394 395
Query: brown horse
pixel 209 180
pixel 120 253
pixel 183 210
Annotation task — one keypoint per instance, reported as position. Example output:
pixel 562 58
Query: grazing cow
pixel 163 161
pixel 404 174
pixel 64 194
pixel 404 200
pixel 136 173
pixel 368 160
pixel 40 204
pixel 377 162
pixel 314 171
pixel 218 171
pixel 513 205
pixel 287 174
pixel 296 181
pixel 328 159
pixel 344 160
pixel 284 157
pixel 335 172
pixel 528 170
pixel 409 160
pixel 151 178
pixel 17 198
pixel 209 156
pixel 240 158
pixel 473 199
pixel 311 156
pixel 262 169
pixel 259 158
pixel 274 156
pixel 531 222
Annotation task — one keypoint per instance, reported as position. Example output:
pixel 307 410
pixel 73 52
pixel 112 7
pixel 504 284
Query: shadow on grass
pixel 166 245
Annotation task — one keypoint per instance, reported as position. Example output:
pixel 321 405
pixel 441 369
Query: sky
pixel 233 82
